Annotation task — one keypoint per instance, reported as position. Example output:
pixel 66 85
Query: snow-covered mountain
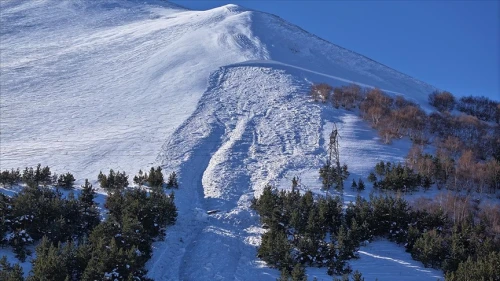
pixel 220 96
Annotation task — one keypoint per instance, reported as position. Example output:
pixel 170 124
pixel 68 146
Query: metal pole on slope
pixel 334 159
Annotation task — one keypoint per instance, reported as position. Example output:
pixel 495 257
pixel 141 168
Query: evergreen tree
pixel 29 177
pixel 295 183
pixel 275 249
pixel 357 276
pixel 484 268
pixel 266 204
pixel 141 178
pixel 299 273
pixel 346 247
pixel 372 177
pixel 430 249
pixel 10 272
pixel 284 275
pixel 66 181
pixel 354 185
pixel 114 181
pixel 49 264
pixel 10 177
pixel 103 180
pixel 162 209
pixel 42 175
pixel 361 185
pixel 155 177
pixel 172 181
pixel 88 209
pixel 120 181
pixel 5 216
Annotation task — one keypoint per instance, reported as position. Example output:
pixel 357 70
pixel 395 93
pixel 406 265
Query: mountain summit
pixel 220 96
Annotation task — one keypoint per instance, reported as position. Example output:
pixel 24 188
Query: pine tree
pixel 49 263
pixel 484 268
pixel 88 209
pixel 430 249
pixel 284 275
pixel 155 177
pixel 114 181
pixel 29 177
pixel 66 181
pixel 295 183
pixel 372 177
pixel 275 249
pixel 103 180
pixel 345 250
pixel 354 185
pixel 42 175
pixel 266 204
pixel 5 216
pixel 313 228
pixel 356 276
pixel 141 178
pixel 10 272
pixel 172 181
pixel 299 273
pixel 361 185
pixel 10 177
pixel 163 211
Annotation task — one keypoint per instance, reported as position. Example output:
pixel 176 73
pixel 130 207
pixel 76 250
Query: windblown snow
pixel 220 96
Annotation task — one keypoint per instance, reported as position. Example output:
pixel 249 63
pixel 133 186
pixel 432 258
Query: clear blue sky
pixel 453 45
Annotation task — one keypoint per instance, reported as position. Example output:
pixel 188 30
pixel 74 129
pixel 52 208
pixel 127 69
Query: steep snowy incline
pixel 246 114
pixel 89 85
pixel 255 125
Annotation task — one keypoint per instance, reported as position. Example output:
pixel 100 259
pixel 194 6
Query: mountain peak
pixel 235 8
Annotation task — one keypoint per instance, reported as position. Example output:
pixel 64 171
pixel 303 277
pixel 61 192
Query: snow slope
pixel 220 96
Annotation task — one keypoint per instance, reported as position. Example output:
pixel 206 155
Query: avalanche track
pixel 255 125
pixel 241 136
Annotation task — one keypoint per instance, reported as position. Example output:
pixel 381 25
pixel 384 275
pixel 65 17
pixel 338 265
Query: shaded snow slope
pixel 220 96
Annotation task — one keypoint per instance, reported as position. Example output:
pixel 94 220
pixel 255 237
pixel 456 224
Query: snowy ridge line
pixel 277 63
pixel 342 49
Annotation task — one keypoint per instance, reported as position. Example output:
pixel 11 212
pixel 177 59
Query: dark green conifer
pixel 172 181
pixel 298 273
pixel 361 185
pixel 10 272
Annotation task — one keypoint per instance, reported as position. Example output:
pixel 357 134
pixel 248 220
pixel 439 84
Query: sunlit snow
pixel 219 96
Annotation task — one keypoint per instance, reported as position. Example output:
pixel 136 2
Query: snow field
pixel 219 96
pixel 256 125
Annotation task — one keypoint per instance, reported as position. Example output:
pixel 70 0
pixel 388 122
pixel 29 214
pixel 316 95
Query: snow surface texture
pixel 220 96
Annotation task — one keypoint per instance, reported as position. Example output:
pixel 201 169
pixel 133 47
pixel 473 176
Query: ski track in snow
pixel 88 86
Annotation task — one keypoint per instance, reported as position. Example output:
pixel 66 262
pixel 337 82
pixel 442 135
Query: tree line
pixel 468 142
pixel 74 243
pixel 453 233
